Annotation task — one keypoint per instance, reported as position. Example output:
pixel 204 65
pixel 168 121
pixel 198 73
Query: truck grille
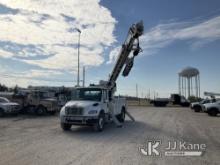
pixel 74 111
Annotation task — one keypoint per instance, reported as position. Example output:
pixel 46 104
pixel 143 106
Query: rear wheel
pixel 213 112
pixel 65 126
pixel 99 126
pixel 41 110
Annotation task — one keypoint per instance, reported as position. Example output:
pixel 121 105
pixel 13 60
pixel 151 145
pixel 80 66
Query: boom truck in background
pixel 96 105
pixel 199 106
pixel 213 109
pixel 33 101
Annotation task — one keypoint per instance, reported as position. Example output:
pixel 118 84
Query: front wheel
pixel 65 126
pixel 41 110
pixel 99 126
pixel 213 112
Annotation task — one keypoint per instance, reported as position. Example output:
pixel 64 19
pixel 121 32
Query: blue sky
pixel 38 42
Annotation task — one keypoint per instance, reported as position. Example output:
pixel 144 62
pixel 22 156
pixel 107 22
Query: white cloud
pixel 113 55
pixel 45 28
pixel 5 54
pixel 32 77
pixel 164 34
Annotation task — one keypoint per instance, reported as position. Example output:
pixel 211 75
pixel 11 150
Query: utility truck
pixel 96 105
pixel 33 101
pixel 38 102
pixel 213 109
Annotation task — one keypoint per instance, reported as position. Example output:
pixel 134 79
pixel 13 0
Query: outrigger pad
pixel 130 116
pixel 115 120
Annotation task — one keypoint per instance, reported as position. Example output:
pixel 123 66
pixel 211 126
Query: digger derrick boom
pixel 131 44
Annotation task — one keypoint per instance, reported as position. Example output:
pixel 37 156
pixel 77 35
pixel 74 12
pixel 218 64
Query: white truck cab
pixel 92 106
pixel 212 108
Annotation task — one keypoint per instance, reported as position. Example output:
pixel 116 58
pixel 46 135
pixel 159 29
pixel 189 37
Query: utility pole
pixel 84 76
pixel 137 90
pixel 78 55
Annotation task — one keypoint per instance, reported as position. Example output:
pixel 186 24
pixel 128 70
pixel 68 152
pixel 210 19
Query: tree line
pixel 4 88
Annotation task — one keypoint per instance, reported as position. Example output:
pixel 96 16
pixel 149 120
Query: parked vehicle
pixel 7 107
pixel 34 101
pixel 213 109
pixel 160 102
pixel 93 106
pixel 177 99
pixel 38 102
pixel 96 105
pixel 197 106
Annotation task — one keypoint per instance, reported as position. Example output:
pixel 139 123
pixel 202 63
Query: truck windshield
pixel 87 94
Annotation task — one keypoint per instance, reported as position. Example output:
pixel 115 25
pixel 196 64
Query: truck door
pixel 105 101
pixel 111 103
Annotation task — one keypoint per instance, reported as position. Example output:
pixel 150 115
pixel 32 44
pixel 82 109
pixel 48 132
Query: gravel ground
pixel 27 140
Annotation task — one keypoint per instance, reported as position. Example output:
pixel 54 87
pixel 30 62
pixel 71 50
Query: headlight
pixel 92 112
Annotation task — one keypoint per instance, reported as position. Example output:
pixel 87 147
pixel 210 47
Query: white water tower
pixel 189 82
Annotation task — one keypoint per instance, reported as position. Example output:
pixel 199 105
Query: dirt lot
pixel 26 140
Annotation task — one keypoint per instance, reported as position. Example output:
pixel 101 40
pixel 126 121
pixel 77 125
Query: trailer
pixel 175 99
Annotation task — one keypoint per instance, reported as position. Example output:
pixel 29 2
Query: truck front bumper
pixel 79 120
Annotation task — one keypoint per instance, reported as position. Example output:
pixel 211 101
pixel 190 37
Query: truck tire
pixel 99 126
pixel 65 126
pixel 2 113
pixel 213 112
pixel 121 117
pixel 41 110
pixel 24 110
pixel 31 109
pixel 197 108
